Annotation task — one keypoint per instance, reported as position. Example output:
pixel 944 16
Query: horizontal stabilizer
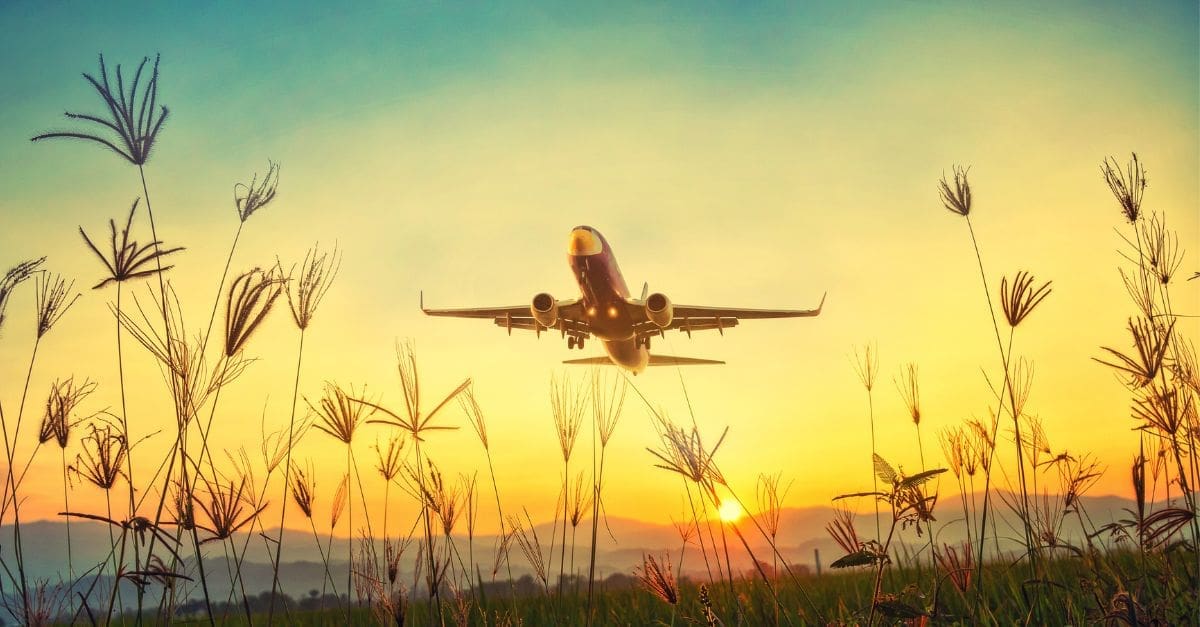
pixel 655 360
pixel 667 360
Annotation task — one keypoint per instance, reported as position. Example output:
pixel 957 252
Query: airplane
pixel 605 311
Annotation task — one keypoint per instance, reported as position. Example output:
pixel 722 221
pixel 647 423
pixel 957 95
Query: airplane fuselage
pixel 603 295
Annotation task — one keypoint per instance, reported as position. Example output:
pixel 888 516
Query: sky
pixel 755 156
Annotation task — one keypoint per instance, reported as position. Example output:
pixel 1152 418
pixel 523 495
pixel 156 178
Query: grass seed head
pixel 133 117
pixel 1019 298
pixel 658 578
pixel 127 260
pixel 1127 185
pixel 258 194
pixel 956 195
pixel 306 287
pixel 53 295
pixel 250 298
pixel 15 276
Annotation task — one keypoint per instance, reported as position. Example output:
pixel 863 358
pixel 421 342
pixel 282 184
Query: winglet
pixel 423 309
pixel 820 306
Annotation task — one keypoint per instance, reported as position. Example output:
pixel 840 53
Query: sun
pixel 730 511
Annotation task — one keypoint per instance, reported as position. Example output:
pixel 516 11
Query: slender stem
pixel 287 471
pixel 434 584
pixel 67 508
pixel 562 558
pixel 10 449
pixel 350 543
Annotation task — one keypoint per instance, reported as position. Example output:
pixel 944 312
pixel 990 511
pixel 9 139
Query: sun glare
pixel 730 511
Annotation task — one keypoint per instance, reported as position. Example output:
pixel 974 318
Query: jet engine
pixel 545 310
pixel 659 310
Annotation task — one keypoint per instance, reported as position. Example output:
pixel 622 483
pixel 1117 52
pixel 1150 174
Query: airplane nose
pixel 584 242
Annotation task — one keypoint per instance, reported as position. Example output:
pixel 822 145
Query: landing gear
pixel 575 342
pixel 645 341
pixel 571 342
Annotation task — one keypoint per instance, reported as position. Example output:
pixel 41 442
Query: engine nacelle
pixel 545 310
pixel 659 310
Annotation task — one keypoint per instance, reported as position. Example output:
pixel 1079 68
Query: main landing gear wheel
pixel 570 342
pixel 579 343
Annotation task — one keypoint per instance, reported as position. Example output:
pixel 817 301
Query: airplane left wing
pixel 518 316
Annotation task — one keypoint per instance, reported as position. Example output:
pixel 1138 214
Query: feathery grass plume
pixel 568 404
pixel 393 551
pixel 608 399
pixel 1151 342
pixel 103 452
pixel 1127 186
pixel 658 578
pixel 225 507
pixel 52 292
pixel 959 564
pixel 710 617
pixel 15 276
pixel 306 289
pixel 127 259
pixel 251 296
pixel 389 461
pixel 866 366
pixel 770 500
pixel 1161 248
pixel 414 421
pixel 910 391
pixel 338 506
pixel 185 511
pixel 460 610
pixel 683 452
pixel 391 608
pixel 956 198
pixel 275 445
pixel 1020 301
pixel 338 414
pixel 258 194
pixel 130 115
pixel 470 407
pixel 304 487
pixel 1165 409
pixel 954 448
pixel 527 538
pixel 1077 475
pixel 842 530
pixel 65 396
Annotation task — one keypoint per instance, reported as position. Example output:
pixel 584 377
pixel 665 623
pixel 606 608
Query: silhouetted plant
pixel 131 114
pixel 1127 185
pixel 251 296
pixel 1021 300
pixel 15 276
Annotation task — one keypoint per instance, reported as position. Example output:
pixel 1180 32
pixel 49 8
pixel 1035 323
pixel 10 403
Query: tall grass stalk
pixel 608 399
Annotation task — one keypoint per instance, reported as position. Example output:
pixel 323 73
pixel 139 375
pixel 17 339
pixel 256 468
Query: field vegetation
pixel 198 502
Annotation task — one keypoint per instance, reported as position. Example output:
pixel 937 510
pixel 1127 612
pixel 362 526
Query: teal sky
pixel 733 155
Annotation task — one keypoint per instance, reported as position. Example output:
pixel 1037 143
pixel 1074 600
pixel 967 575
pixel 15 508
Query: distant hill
pixel 801 540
